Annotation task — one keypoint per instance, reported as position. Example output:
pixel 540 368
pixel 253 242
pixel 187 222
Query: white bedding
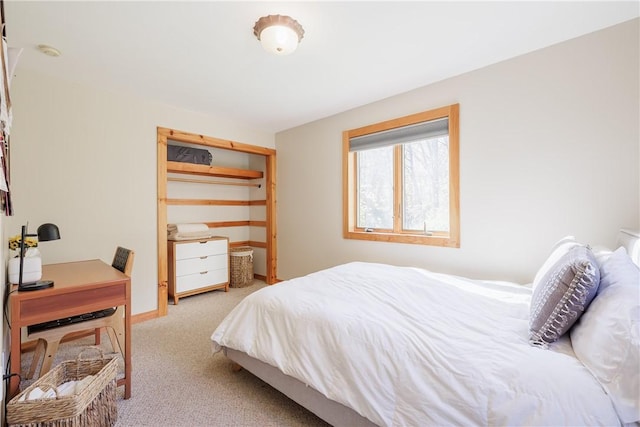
pixel 404 346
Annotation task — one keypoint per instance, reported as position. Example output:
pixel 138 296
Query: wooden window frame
pixel 349 168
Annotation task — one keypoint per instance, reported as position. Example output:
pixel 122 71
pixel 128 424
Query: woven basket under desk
pixel 94 406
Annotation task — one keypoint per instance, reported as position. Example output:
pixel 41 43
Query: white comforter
pixel 407 347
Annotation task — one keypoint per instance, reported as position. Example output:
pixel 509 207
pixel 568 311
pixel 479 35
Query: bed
pixel 375 344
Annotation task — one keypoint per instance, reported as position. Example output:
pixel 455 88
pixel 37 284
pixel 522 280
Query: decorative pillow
pixel 607 337
pixel 562 290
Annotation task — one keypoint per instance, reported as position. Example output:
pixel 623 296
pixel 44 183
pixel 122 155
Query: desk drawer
pixel 198 249
pixel 197 265
pixel 41 307
pixel 201 280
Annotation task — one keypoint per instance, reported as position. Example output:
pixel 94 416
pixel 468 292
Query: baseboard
pixel 143 317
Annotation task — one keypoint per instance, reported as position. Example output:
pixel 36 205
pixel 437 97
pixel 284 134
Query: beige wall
pixel 549 147
pixel 85 159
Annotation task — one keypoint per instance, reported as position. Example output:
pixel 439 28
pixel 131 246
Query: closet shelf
pixel 217 171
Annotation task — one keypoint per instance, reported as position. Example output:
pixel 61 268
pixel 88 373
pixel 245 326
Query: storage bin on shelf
pixel 241 266
pixel 93 406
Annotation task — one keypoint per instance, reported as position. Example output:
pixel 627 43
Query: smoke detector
pixel 48 50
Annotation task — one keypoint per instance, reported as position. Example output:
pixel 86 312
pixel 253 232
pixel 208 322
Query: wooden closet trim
pixel 163 135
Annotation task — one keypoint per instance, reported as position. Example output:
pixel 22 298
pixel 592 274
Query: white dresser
pixel 197 266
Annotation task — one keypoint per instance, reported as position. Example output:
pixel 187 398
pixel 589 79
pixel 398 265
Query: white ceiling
pixel 203 56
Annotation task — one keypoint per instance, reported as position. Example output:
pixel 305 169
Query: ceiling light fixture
pixel 278 34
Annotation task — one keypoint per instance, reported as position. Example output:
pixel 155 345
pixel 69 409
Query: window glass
pixel 425 183
pixel 375 188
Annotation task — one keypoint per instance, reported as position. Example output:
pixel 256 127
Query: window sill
pixel 418 239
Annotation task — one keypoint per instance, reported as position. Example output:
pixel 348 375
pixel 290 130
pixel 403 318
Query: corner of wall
pixel 4 342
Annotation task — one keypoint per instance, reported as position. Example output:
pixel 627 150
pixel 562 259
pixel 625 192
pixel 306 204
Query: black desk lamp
pixel 46 232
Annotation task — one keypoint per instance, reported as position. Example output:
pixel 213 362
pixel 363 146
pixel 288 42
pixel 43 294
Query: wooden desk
pixel 79 287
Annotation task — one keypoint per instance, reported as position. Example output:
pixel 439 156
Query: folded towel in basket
pixel 65 389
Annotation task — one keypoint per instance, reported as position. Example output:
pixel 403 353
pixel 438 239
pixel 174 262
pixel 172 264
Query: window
pixel 401 180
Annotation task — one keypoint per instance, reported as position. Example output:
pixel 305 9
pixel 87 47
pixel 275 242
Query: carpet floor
pixel 176 380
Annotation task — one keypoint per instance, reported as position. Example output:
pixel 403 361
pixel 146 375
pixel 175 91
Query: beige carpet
pixel 176 380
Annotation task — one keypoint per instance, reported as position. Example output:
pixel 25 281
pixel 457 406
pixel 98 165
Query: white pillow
pixel 606 339
pixel 617 269
pixel 560 248
pixel 602 254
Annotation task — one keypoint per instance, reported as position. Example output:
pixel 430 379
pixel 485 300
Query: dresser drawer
pixel 199 280
pixel 203 263
pixel 198 249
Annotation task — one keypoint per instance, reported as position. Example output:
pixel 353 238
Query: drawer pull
pixel 202 243
pixel 203 272
pixel 204 257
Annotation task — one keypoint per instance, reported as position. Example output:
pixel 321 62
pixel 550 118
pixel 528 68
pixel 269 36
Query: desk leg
pixel 14 381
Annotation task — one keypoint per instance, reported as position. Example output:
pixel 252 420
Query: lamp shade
pixel 48 232
pixel 279 39
pixel 278 34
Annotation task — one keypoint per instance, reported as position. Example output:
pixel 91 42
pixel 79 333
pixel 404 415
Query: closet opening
pixel 232 192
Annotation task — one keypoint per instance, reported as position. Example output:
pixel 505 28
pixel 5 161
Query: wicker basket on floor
pixel 241 266
pixel 94 406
